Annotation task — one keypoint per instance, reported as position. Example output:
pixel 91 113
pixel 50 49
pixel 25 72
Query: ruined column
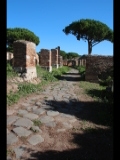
pixel 76 62
pixel 60 60
pixel 54 57
pixel 24 58
pixel 45 59
pixel 50 66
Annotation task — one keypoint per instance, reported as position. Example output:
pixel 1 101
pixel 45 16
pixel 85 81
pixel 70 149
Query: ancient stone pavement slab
pixel 9 158
pixel 72 120
pixel 67 125
pixel 23 122
pixel 34 107
pixel 31 108
pixel 20 131
pixel 46 119
pixel 28 108
pixel 11 139
pixel 22 112
pixel 10 112
pixel 47 107
pixel 30 116
pixel 19 151
pixel 36 129
pixel 25 104
pixel 38 103
pixel 52 113
pixel 39 111
pixel 11 119
pixel 35 139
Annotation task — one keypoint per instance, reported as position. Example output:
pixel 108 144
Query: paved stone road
pixel 52 106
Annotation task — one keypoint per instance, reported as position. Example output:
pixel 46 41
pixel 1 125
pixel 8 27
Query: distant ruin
pixel 24 60
pixel 49 59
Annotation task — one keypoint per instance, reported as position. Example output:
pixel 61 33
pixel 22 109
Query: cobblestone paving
pixel 52 106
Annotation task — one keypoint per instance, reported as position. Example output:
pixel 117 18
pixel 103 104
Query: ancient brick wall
pixel 76 61
pixel 65 62
pixel 60 60
pixel 50 58
pixel 24 58
pixel 71 63
pixel 54 57
pixel 24 53
pixel 97 67
pixel 45 59
pixel 82 61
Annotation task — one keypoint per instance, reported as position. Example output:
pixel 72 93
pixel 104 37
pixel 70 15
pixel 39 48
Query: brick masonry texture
pixel 54 57
pixel 96 66
pixel 45 58
pixel 50 58
pixel 25 58
pixel 24 53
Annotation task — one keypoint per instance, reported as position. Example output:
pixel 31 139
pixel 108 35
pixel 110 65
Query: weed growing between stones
pixel 37 122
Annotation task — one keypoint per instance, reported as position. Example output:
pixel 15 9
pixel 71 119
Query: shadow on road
pixel 93 143
pixel 70 77
pixel 91 146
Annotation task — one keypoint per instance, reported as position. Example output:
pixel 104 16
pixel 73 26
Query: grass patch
pixel 97 91
pixel 29 88
pixel 103 103
pixel 10 71
pixel 88 87
pixel 81 70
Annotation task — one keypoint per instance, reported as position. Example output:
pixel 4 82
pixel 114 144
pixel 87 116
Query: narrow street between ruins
pixel 59 123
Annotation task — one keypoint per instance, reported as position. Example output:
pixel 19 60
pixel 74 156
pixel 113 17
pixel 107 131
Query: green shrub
pixel 9 68
pixel 106 82
pixel 10 71
pixel 81 69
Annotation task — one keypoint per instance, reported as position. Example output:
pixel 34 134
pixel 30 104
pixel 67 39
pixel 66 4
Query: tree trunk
pixel 89 47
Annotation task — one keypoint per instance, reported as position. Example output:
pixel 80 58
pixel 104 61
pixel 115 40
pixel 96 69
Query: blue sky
pixel 47 18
